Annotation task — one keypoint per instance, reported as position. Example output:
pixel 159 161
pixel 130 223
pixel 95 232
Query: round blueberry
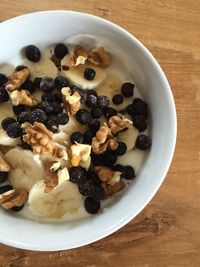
pixel 47 84
pixel 20 67
pixel 62 118
pixel 58 98
pixel 88 135
pixel 46 106
pixel 91 101
pixel 18 109
pixel 14 130
pixel 127 89
pixel 109 158
pixel 119 168
pixel 91 92
pixel 121 149
pixel 129 173
pixel 32 53
pixel 60 50
pixel 24 116
pixel 57 108
pixel 139 107
pixel 48 97
pixel 96 159
pixel 94 125
pixel 87 187
pixel 96 113
pixel 4 96
pixel 92 206
pixel 103 101
pixel 143 142
pixel 38 115
pixel 89 74
pixel 94 177
pixel 109 112
pixel 83 116
pixel 29 86
pixel 3 177
pixel 117 99
pixel 51 125
pixel 5 188
pixel 99 194
pixel 77 174
pixel 139 121
pixel 5 122
pixel 76 137
pixel 61 82
pixel 3 79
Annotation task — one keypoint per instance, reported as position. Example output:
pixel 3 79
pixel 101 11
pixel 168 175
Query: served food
pixel 74 132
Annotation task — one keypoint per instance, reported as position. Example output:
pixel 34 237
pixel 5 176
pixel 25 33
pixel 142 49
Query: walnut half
pixel 71 101
pixel 118 124
pixel 112 189
pixel 12 198
pixel 99 57
pixel 17 79
pixel 79 57
pixel 23 97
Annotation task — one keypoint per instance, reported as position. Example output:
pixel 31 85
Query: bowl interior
pixel 45 28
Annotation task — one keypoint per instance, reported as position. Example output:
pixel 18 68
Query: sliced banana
pixel 5 140
pixel 76 74
pixel 128 137
pixel 27 168
pixel 6 111
pixel 65 198
pixel 61 138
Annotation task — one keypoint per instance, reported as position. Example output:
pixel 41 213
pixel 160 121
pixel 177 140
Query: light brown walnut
pixel 71 101
pixel 112 189
pixel 17 78
pixel 12 198
pixel 79 57
pixel 99 57
pixel 23 97
pixel 118 124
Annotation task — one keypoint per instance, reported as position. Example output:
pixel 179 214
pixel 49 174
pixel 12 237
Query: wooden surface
pixel 167 232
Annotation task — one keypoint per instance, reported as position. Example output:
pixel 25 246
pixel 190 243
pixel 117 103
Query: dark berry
pixel 94 177
pixel 139 121
pixel 20 67
pixel 58 98
pixel 109 112
pixel 48 97
pixel 83 116
pixel 88 135
pixel 3 79
pixel 37 81
pixel 24 116
pixel 60 51
pixel 32 53
pixel 77 174
pixel 109 158
pixel 16 208
pixel 143 142
pixel 77 137
pixel 14 130
pixel 97 159
pixel 61 82
pixel 37 115
pixel 62 118
pixel 5 122
pixel 87 187
pixel 47 84
pixel 127 89
pixel 18 109
pixel 89 74
pixel 94 125
pixel 128 173
pixel 96 113
pixel 5 188
pixel 4 96
pixel 91 205
pixel 139 107
pixel 46 106
pixel 3 177
pixel 52 125
pixel 117 99
pixel 24 145
pixel 91 92
pixel 99 194
pixel 91 101
pixel 121 149
pixel 103 101
pixel 57 108
pixel 130 110
pixel 119 168
pixel 29 86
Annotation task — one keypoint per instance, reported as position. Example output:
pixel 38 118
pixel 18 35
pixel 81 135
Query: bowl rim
pixel 126 219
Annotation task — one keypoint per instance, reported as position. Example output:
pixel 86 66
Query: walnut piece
pixel 112 189
pixel 50 177
pixel 71 101
pixel 80 154
pixel 99 57
pixel 4 165
pixel 39 137
pixel 23 97
pixel 104 140
pixel 79 57
pixel 12 198
pixel 118 124
pixel 107 175
pixel 17 79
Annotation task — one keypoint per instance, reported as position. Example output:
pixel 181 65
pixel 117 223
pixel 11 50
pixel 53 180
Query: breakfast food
pixel 68 126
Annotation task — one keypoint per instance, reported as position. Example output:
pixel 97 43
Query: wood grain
pixel 167 232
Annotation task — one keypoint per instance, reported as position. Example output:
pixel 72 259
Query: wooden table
pixel 167 231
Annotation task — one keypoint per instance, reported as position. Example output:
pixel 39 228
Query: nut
pixel 80 154
pixel 50 177
pixel 56 61
pixel 39 137
pixel 23 97
pixel 79 57
pixel 112 189
pixel 12 198
pixel 104 140
pixel 99 57
pixel 17 79
pixel 107 175
pixel 60 155
pixel 71 101
pixel 4 165
pixel 118 124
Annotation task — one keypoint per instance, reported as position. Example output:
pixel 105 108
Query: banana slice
pixel 61 138
pixel 6 111
pixel 5 140
pixel 72 126
pixel 76 74
pixel 128 137
pixel 27 168
pixel 65 198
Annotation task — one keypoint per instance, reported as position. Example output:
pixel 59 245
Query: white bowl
pixel 49 27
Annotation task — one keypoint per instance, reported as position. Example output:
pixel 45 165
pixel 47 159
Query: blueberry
pixel 77 137
pixel 3 79
pixel 83 116
pixel 37 115
pixel 57 108
pixel 88 135
pixel 4 96
pixel 119 168
pixel 60 51
pixel 14 130
pixel 20 67
pixel 47 84
pixel 5 188
pixel 62 118
pixel 96 159
pixel 24 116
pixel 117 99
pixel 109 112
pixel 29 86
pixel 46 106
pixel 143 142
pixel 87 187
pixel 91 205
pixel 3 177
pixel 94 177
pixel 99 194
pixel 89 74
pixel 130 110
pixel 32 53
pixel 16 208
pixel 139 121
pixel 77 174
pixel 94 125
pixel 127 89
pixel 103 101
pixel 58 98
pixel 139 107
pixel 48 97
pixel 61 82
pixel 5 122
pixel 37 81
pixel 109 158
pixel 91 92
pixel 51 125
pixel 24 145
pixel 18 109
pixel 128 173
pixel 96 113
pixel 121 149
pixel 91 101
